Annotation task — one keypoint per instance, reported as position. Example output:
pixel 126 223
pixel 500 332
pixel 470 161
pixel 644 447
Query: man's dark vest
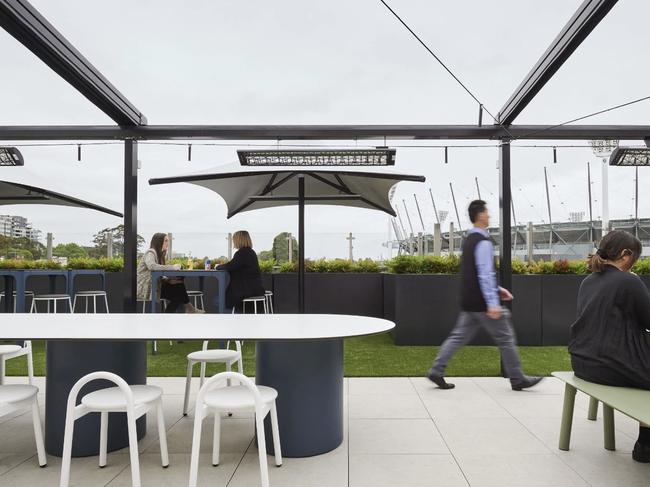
pixel 471 297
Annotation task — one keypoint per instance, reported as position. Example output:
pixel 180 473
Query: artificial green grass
pixel 372 356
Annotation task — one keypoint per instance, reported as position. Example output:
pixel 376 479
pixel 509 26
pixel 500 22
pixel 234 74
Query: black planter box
pixel 559 304
pixel 331 293
pixel 425 308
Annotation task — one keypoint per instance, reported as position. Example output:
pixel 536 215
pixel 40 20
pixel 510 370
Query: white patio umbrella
pixel 247 188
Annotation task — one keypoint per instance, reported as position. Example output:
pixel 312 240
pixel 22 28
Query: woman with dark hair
pixel 172 289
pixel 610 341
pixel 244 270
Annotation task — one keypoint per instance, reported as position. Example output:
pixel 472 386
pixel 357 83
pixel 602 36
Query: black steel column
pixel 130 223
pixel 301 243
pixel 505 226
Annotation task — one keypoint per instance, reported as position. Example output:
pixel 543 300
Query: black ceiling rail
pixel 20 19
pixel 576 30
pixel 323 132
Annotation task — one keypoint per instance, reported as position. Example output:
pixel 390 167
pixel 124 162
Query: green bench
pixel 634 403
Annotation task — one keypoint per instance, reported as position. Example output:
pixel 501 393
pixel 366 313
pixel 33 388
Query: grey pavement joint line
pixel 534 435
pixel 440 432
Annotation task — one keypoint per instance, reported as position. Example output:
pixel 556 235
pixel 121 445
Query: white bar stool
pixel 196 297
pixel 134 400
pixel 7 352
pixel 213 399
pixel 28 294
pixel 87 295
pixel 50 299
pixel 254 300
pixel 269 301
pixel 213 356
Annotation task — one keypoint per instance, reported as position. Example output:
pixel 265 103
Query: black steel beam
pixel 324 132
pixel 130 224
pixel 20 19
pixel 576 30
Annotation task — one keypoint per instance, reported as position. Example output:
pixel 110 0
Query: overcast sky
pixel 335 62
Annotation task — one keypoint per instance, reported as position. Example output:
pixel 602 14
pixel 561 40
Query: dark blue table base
pixel 308 376
pixel 67 362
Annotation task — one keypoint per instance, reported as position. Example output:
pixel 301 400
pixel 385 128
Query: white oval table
pixel 299 355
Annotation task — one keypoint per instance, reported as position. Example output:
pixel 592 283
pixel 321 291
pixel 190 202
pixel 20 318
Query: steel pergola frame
pixel 28 26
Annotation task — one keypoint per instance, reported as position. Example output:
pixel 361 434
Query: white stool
pixel 134 400
pixel 269 301
pixel 254 300
pixel 214 356
pixel 50 299
pixel 213 399
pixel 28 294
pixel 196 297
pixel 90 294
pixel 8 352
pixel 15 397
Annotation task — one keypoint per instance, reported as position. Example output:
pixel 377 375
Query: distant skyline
pixel 248 63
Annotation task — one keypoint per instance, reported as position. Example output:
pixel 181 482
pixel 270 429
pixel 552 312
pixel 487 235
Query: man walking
pixel 480 306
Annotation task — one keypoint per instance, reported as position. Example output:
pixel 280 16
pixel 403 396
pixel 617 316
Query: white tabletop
pixel 162 326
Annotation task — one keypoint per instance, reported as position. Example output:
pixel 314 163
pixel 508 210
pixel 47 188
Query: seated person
pixel 610 341
pixel 172 289
pixel 244 269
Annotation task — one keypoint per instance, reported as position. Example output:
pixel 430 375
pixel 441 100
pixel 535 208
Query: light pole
pixel 603 149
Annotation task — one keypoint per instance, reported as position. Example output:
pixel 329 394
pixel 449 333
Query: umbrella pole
pixel 301 243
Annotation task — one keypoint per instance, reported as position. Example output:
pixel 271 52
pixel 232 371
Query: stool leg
pixel 188 382
pixel 103 439
pixel 85 304
pixel 196 445
pixel 261 449
pixel 67 449
pixel 202 305
pixel 74 303
pixel 608 428
pixel 216 438
pixel 133 449
pixel 202 374
pixel 592 415
pixel 70 304
pixel 276 435
pixel 94 304
pixel 567 416
pixel 106 303
pixel 162 435
pixel 38 434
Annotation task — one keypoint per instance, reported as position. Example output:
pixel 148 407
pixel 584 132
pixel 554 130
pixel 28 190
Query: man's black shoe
pixel 525 383
pixel 641 453
pixel 439 381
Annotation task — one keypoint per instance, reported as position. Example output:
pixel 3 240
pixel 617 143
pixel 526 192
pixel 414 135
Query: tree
pixel 265 255
pixel 21 247
pixel 281 248
pixel 100 239
pixel 69 250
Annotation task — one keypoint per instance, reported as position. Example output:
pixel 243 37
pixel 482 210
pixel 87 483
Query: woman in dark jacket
pixel 244 270
pixel 610 341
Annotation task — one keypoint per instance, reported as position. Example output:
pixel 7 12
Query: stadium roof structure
pixel 20 19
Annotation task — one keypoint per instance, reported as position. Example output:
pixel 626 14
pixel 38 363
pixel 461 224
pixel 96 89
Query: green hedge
pixel 403 264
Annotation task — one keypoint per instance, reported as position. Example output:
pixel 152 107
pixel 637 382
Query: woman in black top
pixel 610 341
pixel 244 269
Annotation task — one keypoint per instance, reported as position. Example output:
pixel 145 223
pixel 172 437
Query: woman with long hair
pixel 244 269
pixel 171 289
pixel 610 339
